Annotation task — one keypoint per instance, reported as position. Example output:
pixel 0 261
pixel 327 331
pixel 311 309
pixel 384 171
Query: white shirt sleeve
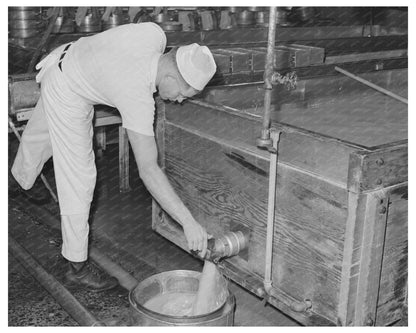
pixel 137 113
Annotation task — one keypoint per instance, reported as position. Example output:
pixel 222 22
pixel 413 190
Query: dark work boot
pixel 37 195
pixel 87 276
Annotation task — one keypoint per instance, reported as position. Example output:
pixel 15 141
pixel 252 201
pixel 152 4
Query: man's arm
pixel 145 151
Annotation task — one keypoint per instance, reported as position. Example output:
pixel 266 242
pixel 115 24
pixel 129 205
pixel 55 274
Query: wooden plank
pixel 392 302
pixel 367 66
pixel 236 270
pixel 24 114
pixel 362 255
pixel 123 154
pixel 100 138
pixel 316 54
pixel 365 56
pixel 378 169
pixel 374 276
pixel 304 150
pixel 337 37
pixel 282 56
pixel 257 58
pixel 160 132
pixel 24 92
pixel 223 185
pixel 240 60
pixel 223 62
pixel 298 56
pixel 107 120
pixel 374 229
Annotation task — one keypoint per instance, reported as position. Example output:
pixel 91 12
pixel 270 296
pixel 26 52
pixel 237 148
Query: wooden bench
pixel 24 93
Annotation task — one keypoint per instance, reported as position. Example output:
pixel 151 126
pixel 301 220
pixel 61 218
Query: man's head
pixel 184 72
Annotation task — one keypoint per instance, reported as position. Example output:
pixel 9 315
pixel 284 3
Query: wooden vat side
pixel 362 258
pixel 226 187
pixel 366 240
pixel 392 301
pixel 236 269
pixel 325 157
pixel 379 169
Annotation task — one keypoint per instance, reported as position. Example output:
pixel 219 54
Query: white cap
pixel 196 65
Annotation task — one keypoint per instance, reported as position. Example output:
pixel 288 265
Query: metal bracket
pixel 265 142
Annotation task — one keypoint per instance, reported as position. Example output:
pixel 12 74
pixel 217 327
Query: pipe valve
pixel 289 80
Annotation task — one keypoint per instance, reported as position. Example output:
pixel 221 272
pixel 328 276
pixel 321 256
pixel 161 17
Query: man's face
pixel 170 88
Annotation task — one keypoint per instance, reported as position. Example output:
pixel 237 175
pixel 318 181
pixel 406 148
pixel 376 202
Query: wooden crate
pixel 340 234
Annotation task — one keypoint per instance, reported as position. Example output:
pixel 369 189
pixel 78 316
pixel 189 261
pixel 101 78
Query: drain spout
pixel 225 246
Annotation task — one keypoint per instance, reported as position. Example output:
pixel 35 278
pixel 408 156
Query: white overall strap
pixel 48 61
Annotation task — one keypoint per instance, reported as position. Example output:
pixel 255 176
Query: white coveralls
pixel 118 68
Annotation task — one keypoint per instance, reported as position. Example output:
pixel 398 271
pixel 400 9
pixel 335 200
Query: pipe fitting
pixel 289 80
pixel 301 306
pixel 264 140
pixel 227 245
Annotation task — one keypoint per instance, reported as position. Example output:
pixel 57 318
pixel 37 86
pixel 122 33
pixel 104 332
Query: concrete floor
pixel 121 229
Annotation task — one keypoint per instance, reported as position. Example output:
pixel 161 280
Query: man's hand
pixel 197 238
pixel 145 151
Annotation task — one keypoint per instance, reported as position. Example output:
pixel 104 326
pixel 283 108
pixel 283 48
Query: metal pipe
pixel 264 139
pixel 44 180
pixel 125 279
pixel 372 85
pixel 68 302
pixel 275 137
pixel 226 245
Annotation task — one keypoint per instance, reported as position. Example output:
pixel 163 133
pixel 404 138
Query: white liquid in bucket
pixel 209 298
pixel 172 304
pixel 210 294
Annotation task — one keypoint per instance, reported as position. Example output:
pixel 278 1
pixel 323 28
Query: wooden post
pixel 371 259
pixel 123 159
pixel 100 139
pixel 372 177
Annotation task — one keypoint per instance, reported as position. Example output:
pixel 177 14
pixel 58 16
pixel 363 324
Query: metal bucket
pixel 90 23
pixel 115 20
pixel 171 26
pixel 179 281
pixel 63 25
pixel 245 18
pixel 25 22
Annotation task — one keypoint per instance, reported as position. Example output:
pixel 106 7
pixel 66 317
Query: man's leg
pixel 34 149
pixel 71 132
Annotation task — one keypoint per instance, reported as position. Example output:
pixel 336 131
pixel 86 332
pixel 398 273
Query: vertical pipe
pixel 275 136
pixel 268 72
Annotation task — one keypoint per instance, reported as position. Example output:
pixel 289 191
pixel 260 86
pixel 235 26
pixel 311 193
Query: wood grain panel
pixel 375 170
pixel 392 303
pixel 223 185
pixel 237 270
pixel 310 152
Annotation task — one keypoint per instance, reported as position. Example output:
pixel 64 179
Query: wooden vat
pixel 340 235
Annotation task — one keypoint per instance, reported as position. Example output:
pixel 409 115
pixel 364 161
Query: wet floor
pixel 121 229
